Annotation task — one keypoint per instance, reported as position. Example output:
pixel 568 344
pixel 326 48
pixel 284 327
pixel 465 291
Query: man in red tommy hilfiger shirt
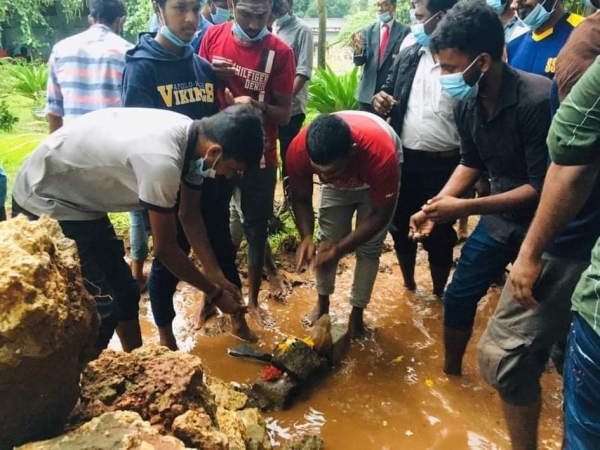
pixel 254 67
pixel 357 157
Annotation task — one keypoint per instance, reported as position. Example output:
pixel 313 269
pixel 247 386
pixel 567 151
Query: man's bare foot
pixel 260 316
pixel 241 330
pixel 277 288
pixel 167 338
pixel 319 310
pixel 205 312
pixel 356 325
pixel 313 316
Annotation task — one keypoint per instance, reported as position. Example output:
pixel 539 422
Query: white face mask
pixel 206 173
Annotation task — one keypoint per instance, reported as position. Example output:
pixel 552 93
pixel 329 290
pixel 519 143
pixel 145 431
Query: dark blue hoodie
pixel 155 78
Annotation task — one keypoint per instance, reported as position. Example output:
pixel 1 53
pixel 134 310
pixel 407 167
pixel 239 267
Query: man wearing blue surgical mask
pixel 421 114
pixel 216 11
pixel 375 49
pixel 503 117
pixel 512 25
pixel 257 68
pixel 549 29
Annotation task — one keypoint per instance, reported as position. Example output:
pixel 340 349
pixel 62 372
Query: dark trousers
pixel 423 177
pixel 365 107
pixel 106 275
pixel 287 134
pixel 216 194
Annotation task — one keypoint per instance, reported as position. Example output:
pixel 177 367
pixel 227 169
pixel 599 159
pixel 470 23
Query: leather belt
pixel 432 155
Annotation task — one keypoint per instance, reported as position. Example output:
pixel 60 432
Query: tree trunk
pixel 322 47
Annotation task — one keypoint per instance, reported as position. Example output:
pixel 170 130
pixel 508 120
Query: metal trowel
pixel 248 352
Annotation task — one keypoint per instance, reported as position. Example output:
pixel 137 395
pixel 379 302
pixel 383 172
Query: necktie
pixel 384 40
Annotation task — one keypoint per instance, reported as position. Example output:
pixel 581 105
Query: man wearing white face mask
pixel 256 68
pixel 422 116
pixel 550 26
pixel 503 118
pixel 375 49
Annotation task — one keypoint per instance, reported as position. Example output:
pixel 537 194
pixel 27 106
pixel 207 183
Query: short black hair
pixel 472 27
pixel 106 11
pixel 161 3
pixel 435 6
pixel 328 138
pixel 239 131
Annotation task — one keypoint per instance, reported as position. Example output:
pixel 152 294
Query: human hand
pixel 383 103
pixel 420 227
pixel 327 255
pixel 444 208
pixel 306 252
pixel 523 275
pixel 223 69
pixel 358 43
pixel 242 100
pixel 228 303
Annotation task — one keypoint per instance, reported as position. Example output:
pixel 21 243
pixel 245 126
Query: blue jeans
pixel 105 273
pixel 581 378
pixel 139 231
pixel 216 194
pixel 481 259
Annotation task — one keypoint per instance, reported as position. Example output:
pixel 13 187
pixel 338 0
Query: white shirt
pixel 429 122
pixel 109 160
pixel 408 41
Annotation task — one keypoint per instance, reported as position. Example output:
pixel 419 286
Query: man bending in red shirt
pixel 357 157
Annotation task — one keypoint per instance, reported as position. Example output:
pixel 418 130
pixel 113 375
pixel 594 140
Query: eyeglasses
pixel 381 5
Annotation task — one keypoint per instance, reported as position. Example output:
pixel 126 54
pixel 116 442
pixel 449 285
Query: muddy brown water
pixel 390 391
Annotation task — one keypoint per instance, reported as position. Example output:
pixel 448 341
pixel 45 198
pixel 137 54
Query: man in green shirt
pixel 574 145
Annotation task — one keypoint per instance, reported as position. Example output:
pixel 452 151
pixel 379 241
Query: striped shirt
pixel 85 72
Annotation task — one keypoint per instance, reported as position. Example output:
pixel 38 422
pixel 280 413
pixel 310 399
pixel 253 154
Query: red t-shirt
pixel 263 68
pixel 374 164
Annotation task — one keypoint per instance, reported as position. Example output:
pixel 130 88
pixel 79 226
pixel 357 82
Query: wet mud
pixel 390 391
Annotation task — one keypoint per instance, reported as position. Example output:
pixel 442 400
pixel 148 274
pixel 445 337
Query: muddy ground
pixel 390 392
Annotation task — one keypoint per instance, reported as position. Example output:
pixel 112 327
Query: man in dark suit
pixel 376 46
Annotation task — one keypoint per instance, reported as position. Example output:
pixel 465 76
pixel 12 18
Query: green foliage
pixel 138 18
pixel 7 119
pixel 27 14
pixel 29 80
pixel 329 92
pixel 354 23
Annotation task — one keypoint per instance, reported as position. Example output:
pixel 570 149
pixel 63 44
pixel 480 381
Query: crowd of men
pixel 182 130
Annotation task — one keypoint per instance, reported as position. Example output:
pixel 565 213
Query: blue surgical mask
pixel 239 32
pixel 384 17
pixel 413 16
pixel 497 6
pixel 206 173
pixel 537 17
pixel 164 30
pixel 221 16
pixel 588 4
pixel 456 86
pixel 418 31
pixel 283 20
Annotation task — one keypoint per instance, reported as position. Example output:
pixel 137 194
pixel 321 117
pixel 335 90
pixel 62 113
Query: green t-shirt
pixel 574 139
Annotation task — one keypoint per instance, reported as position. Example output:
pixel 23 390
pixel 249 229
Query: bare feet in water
pixel 356 326
pixel 319 310
pixel 241 330
pixel 277 288
pixel 260 316
pixel 205 312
